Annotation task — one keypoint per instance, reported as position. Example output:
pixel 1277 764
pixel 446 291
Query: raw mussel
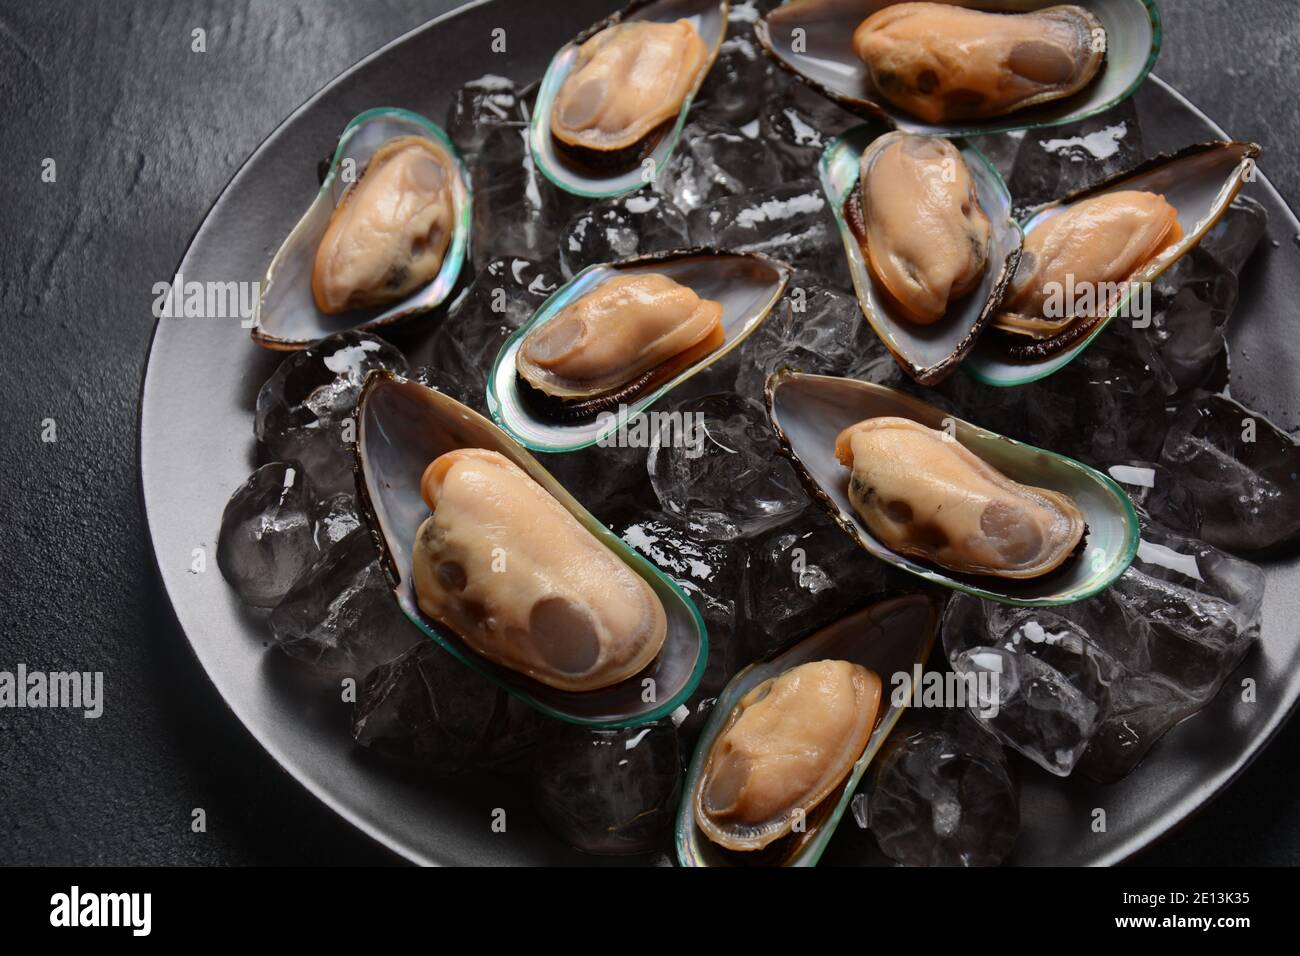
pixel 1092 256
pixel 930 241
pixel 510 574
pixel 384 239
pixel 944 68
pixel 941 62
pixel 612 104
pixel 608 344
pixel 951 502
pixel 789 739
pixel 925 495
pixel 523 582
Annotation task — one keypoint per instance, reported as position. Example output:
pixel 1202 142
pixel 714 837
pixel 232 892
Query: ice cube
pixel 336 519
pixel 735 88
pixel 940 794
pixel 1241 470
pixel 1234 238
pixel 1179 621
pixel 305 409
pixel 712 574
pixel 271 530
pixel 502 297
pixel 618 228
pixel 813 329
pixel 792 222
pixel 800 123
pixel 608 791
pixel 517 211
pixel 1105 406
pixel 1195 609
pixel 1159 493
pixel 1056 160
pixel 1040 684
pixel 340 616
pixel 480 106
pixel 724 472
pixel 715 160
pixel 427 708
pixel 805 574
pixel 607 480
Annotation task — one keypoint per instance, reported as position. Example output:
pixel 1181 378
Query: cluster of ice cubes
pixel 1089 687
pixel 1093 685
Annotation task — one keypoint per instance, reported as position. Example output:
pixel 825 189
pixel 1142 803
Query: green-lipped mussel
pixel 509 573
pixel 384 239
pixel 950 502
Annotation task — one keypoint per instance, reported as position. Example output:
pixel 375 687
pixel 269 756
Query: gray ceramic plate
pixel 196 447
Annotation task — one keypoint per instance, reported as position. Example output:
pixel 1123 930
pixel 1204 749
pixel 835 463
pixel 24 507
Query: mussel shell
pixel 887 637
pixel 748 285
pixel 1199 181
pixel 582 172
pixel 829 64
pixel 928 353
pixel 401 427
pixel 809 411
pixel 287 316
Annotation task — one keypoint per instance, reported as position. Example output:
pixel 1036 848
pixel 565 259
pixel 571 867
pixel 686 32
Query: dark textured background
pixel 146 134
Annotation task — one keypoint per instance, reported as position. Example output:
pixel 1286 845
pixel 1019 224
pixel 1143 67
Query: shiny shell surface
pixel 932 351
pixel 944 63
pixel 288 316
pixel 886 638
pixel 402 427
pixel 746 285
pixel 814 40
pixel 1199 182
pixel 810 411
pixel 924 494
pixel 788 744
pixel 523 582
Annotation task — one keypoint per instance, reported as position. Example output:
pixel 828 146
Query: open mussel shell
pixel 401 427
pixel 928 353
pixel 813 39
pixel 889 637
pixel 287 315
pixel 748 285
pixel 709 17
pixel 1199 181
pixel 809 411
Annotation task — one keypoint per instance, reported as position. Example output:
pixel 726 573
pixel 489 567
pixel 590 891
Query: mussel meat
pixel 627 84
pixel 943 62
pixel 924 494
pixel 787 746
pixel 630 333
pixel 917 216
pixel 524 584
pixel 1085 255
pixel 389 232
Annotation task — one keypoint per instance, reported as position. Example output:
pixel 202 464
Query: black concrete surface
pixel 145 133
